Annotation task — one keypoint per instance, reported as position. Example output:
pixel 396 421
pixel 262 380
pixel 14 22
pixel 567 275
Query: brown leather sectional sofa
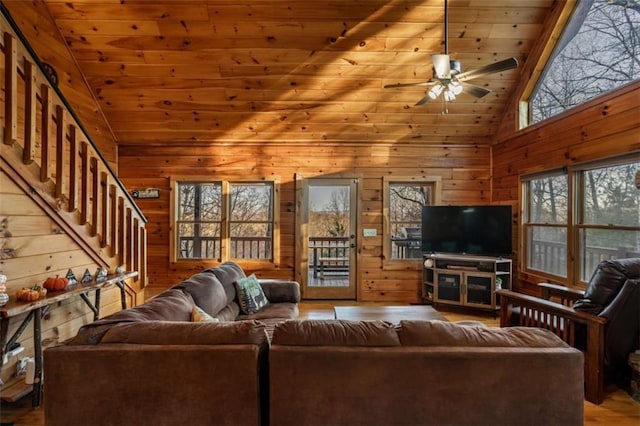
pixel 421 373
pixel 152 365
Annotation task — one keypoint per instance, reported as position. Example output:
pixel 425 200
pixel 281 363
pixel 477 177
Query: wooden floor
pixel 617 409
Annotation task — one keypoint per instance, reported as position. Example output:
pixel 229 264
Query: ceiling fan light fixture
pixel 435 91
pixel 449 95
pixel 455 87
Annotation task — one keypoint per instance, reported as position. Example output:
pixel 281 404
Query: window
pixel 604 225
pixel 609 221
pixel 545 223
pixel 251 220
pixel 199 220
pixel 403 202
pixel 598 51
pixel 225 220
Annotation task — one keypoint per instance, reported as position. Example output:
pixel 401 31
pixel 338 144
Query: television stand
pixel 465 280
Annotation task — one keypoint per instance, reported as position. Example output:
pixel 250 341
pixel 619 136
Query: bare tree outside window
pixel 611 216
pixel 251 220
pixel 198 220
pixel 249 227
pixel 606 218
pixel 546 224
pixel 331 218
pixel 405 218
pixel 599 52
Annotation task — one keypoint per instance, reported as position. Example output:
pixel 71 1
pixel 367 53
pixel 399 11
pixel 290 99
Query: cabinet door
pixel 479 289
pixel 448 287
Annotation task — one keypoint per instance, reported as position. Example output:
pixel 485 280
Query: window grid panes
pixel 251 220
pixel 605 223
pixel 405 218
pixel 610 212
pixel 546 224
pixel 199 220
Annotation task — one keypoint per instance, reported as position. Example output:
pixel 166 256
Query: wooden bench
pixel 334 264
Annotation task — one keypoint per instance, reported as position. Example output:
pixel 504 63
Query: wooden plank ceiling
pixel 184 71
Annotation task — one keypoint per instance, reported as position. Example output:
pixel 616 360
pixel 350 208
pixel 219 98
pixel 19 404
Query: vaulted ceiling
pixel 293 70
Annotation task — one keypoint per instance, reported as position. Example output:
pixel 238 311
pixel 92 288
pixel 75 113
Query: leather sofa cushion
pixel 281 310
pixel 228 273
pixel 170 305
pixel 442 333
pixel 207 292
pixel 606 282
pixel 183 333
pixel 335 333
pixel 278 291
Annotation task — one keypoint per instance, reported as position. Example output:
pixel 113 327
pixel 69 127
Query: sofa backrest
pixel 228 273
pixel 443 333
pixel 207 292
pixel 170 305
pixel 335 333
pixel 185 333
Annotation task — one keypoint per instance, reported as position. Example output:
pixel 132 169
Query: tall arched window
pixel 598 52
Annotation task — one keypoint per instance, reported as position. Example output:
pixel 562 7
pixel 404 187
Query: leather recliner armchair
pixel 603 321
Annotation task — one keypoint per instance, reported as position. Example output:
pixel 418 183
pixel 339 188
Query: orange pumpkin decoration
pixel 55 284
pixel 31 294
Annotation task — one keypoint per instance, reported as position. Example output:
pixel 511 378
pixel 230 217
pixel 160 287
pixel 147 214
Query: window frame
pixel 225 223
pixel 575 218
pixel 526 225
pixel 387 181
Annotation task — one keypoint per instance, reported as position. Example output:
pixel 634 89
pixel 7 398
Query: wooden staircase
pixel 47 152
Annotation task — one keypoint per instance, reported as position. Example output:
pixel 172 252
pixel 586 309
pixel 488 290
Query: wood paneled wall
pixel 35 22
pixel 32 248
pixel 464 170
pixel 605 127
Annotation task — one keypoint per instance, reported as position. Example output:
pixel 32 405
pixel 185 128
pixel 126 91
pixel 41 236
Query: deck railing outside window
pixel 551 257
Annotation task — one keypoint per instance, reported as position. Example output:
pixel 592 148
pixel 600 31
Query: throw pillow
pixel 199 315
pixel 251 298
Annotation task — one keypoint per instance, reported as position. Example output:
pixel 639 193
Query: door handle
pixel 352 245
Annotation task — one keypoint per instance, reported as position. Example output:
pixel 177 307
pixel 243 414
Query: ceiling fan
pixel 448 80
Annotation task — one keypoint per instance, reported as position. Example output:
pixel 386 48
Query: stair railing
pixel 49 151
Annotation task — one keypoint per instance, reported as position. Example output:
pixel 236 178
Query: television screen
pixel 481 230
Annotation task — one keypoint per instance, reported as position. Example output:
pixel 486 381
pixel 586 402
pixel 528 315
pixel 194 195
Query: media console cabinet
pixel 464 280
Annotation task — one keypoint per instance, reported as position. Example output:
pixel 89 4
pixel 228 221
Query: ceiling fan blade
pixel 474 90
pixel 441 66
pixel 504 65
pixel 422 101
pixel 422 83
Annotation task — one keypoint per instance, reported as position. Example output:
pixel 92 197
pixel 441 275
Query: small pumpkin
pixel 41 290
pixel 31 294
pixel 27 295
pixel 55 284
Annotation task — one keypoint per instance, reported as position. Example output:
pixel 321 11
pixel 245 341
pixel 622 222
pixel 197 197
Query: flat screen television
pixel 480 230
